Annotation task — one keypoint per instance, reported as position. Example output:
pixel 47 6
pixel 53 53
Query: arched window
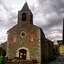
pixel 23 16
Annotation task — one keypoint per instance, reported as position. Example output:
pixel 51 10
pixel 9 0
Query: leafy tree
pixel 2 52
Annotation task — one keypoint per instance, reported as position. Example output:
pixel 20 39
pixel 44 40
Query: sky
pixel 47 14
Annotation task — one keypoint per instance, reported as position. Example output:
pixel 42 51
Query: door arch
pixel 27 52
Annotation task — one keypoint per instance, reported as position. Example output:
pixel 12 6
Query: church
pixel 27 41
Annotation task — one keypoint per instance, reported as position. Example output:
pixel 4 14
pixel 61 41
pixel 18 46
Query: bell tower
pixel 25 15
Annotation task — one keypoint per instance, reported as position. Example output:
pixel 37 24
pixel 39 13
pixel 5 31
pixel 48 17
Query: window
pixel 23 16
pixel 23 34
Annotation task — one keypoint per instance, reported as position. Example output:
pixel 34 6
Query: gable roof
pixel 21 27
pixel 11 28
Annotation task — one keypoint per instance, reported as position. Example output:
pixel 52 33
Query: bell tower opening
pixel 23 16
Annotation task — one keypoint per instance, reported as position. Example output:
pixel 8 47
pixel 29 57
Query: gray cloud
pixel 52 5
pixel 11 16
pixel 7 20
pixel 48 15
pixel 52 14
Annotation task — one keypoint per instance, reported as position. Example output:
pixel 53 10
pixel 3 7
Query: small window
pixel 23 16
pixel 23 34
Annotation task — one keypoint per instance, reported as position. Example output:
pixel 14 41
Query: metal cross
pixel 25 0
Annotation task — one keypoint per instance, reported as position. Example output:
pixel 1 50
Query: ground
pixel 58 60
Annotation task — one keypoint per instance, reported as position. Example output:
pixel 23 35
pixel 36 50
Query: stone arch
pixel 28 54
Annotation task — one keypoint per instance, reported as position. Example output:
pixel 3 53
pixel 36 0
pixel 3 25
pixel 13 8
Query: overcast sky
pixel 48 14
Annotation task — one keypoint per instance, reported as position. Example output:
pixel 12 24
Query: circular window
pixel 23 34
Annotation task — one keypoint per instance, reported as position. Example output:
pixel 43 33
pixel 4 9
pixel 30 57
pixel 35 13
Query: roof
pixel 49 41
pixel 59 40
pixel 21 27
pixel 11 28
pixel 25 7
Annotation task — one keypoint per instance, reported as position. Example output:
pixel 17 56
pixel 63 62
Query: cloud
pixel 3 35
pixel 7 20
pixel 48 14
pixel 52 5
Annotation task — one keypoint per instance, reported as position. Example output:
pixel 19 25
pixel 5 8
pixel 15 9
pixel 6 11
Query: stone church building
pixel 25 40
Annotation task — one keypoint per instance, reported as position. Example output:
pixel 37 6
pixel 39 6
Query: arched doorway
pixel 22 54
pixel 23 50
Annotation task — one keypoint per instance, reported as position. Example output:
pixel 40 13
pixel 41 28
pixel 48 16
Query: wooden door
pixel 22 54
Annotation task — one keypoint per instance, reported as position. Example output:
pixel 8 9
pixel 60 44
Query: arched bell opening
pixel 23 16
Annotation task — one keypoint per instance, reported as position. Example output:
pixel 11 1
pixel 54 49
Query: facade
pixel 24 39
pixel 27 41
